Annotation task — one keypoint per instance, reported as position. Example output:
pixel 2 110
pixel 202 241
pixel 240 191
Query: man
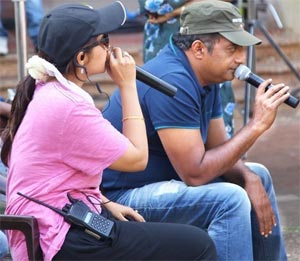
pixel 163 19
pixel 194 174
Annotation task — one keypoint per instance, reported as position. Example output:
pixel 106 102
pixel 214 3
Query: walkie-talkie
pixel 80 214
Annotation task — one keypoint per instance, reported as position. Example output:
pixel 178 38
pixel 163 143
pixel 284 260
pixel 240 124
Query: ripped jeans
pixel 222 208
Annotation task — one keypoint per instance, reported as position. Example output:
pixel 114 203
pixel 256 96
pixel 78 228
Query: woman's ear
pixel 81 56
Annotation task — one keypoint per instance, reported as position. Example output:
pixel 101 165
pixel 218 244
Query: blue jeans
pixel 3 244
pixel 34 15
pixel 222 208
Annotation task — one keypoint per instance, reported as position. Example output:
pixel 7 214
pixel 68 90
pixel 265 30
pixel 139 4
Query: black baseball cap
pixel 68 27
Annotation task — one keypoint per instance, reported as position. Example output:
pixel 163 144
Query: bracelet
pixel 103 203
pixel 133 118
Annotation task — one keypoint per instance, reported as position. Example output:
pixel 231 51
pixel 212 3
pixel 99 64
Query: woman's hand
pixel 123 213
pixel 122 68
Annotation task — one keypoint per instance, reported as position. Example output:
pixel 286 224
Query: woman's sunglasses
pixel 104 41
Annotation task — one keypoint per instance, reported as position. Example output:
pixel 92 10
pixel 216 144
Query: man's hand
pixel 267 103
pixel 261 204
pixel 159 19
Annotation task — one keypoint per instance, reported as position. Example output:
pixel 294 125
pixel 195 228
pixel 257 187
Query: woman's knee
pixel 199 243
pixel 209 251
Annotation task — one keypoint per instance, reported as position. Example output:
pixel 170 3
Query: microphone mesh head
pixel 242 72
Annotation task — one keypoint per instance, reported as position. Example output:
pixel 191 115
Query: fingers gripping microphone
pixel 155 82
pixel 244 73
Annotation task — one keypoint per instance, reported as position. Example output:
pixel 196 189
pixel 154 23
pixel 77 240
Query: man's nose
pixel 241 55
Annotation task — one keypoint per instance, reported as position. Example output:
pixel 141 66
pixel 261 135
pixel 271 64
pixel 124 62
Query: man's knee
pixel 228 197
pixel 261 171
pixel 237 198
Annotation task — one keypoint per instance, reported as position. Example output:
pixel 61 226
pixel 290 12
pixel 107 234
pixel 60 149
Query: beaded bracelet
pixel 133 118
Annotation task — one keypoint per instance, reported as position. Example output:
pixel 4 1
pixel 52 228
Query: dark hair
pixel 24 93
pixel 184 42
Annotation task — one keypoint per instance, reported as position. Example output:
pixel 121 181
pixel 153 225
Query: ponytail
pixel 23 96
pixel 24 93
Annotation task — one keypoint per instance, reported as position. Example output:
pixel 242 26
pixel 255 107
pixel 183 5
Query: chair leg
pixel 29 227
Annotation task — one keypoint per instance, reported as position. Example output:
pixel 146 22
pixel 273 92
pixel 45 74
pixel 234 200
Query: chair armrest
pixel 29 226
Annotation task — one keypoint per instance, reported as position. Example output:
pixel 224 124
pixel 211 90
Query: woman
pixel 57 145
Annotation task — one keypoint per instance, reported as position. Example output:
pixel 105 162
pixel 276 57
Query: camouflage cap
pixel 213 16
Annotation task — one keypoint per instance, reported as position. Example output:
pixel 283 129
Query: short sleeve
pixel 90 143
pixel 180 111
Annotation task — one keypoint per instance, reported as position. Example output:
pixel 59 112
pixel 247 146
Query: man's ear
pixel 198 48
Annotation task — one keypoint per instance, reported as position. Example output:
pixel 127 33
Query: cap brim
pixel 112 17
pixel 242 38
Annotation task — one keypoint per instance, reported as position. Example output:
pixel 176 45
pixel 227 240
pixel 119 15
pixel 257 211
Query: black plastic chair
pixel 28 225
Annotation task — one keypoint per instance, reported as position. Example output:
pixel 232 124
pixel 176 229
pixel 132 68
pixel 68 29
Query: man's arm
pixel 197 164
pixel 164 18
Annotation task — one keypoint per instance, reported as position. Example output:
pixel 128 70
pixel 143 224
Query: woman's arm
pixel 122 71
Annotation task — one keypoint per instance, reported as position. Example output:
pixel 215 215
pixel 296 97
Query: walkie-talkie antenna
pixel 57 210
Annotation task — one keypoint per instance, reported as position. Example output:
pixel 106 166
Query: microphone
pixel 244 73
pixel 155 82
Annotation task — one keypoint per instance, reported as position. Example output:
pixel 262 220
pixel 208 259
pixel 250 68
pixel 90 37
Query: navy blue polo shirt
pixel 192 107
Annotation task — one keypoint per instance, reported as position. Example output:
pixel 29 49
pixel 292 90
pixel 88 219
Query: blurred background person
pixel 162 21
pixel 34 14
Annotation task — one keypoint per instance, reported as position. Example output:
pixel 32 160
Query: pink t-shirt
pixel 62 145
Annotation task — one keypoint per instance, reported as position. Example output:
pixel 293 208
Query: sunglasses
pixel 104 41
